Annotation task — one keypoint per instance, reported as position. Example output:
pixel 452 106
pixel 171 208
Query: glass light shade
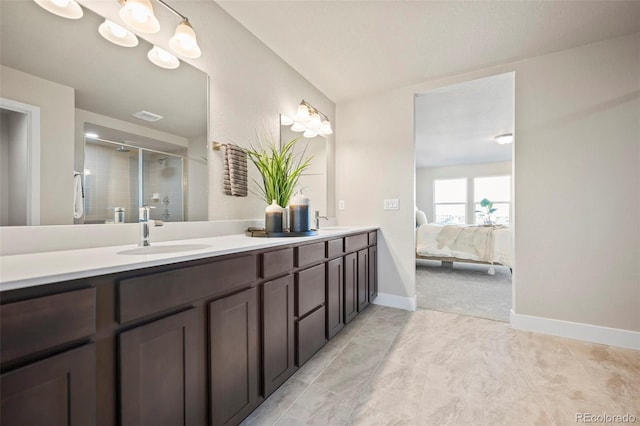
pixel 302 116
pixel 298 127
pixel 162 58
pixel 309 133
pixel 184 41
pixel 315 122
pixel 117 34
pixel 138 14
pixel 504 139
pixel 69 9
pixel 325 128
pixel 285 121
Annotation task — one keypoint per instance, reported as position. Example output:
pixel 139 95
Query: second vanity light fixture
pixel 139 15
pixel 308 120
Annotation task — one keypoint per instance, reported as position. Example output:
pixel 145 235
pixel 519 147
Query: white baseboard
pixel 573 330
pixel 393 301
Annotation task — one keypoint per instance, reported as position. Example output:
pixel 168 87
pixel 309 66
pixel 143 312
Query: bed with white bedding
pixel 465 243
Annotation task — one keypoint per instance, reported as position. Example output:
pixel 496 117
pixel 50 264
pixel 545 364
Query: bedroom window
pixel 498 190
pixel 450 200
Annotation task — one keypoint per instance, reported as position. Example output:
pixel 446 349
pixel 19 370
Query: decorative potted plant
pixel 487 212
pixel 280 170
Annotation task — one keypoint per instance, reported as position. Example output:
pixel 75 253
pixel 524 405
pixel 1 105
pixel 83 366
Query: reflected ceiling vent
pixel 147 116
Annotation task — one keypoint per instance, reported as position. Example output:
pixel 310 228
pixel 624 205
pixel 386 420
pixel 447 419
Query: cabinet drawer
pixel 355 242
pixel 277 262
pixel 335 247
pixel 310 253
pixel 145 295
pixel 373 237
pixel 310 336
pixel 34 325
pixel 310 289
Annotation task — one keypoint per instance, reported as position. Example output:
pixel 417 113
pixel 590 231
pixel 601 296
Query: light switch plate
pixel 340 204
pixel 391 204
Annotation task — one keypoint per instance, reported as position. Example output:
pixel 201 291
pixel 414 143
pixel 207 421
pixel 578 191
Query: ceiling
pixel 108 79
pixel 457 124
pixel 350 49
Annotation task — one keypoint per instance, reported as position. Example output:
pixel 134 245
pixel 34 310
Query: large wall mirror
pixel 313 182
pixel 81 85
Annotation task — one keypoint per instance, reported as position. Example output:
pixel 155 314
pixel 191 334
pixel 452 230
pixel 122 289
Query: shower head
pixel 122 148
pixel 163 161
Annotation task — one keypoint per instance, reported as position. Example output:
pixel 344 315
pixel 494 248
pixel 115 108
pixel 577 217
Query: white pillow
pixel 421 218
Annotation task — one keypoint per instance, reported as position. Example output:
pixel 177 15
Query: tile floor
pixel 394 367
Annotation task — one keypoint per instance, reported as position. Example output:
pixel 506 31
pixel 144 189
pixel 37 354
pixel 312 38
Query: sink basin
pixel 164 249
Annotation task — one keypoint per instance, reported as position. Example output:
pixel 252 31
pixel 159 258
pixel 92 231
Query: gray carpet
pixel 465 289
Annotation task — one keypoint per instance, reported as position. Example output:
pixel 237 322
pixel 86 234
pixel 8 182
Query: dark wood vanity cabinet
pixel 350 287
pixel 48 363
pixel 201 342
pixel 363 279
pixel 277 332
pixel 335 296
pixel 234 357
pixel 159 372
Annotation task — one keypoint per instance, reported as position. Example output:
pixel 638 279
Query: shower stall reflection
pixel 123 176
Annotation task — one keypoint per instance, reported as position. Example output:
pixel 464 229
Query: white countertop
pixel 27 270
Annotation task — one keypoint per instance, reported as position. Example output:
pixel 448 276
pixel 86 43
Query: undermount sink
pixel 164 249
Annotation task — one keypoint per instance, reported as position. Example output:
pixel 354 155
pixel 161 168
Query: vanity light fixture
pixel 162 58
pixel 504 138
pixel 285 121
pixel 138 14
pixel 117 34
pixel 311 121
pixel 69 9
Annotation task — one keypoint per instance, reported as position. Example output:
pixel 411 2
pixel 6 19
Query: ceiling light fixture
pixel 69 9
pixel 162 58
pixel 504 138
pixel 310 121
pixel 117 34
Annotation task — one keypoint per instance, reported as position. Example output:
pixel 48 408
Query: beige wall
pixel 57 105
pixel 577 181
pixel 426 175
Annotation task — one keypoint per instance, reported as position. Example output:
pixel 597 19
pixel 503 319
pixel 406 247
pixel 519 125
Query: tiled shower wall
pixel 112 182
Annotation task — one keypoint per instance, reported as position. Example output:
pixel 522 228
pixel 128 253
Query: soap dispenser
pixel 273 218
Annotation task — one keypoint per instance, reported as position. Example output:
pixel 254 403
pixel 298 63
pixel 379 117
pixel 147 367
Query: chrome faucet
pixel 318 217
pixel 144 226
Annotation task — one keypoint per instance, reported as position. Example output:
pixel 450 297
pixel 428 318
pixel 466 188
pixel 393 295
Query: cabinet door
pixel 335 297
pixel 60 390
pixel 350 287
pixel 277 333
pixel 373 273
pixel 233 354
pixel 158 372
pixel 363 279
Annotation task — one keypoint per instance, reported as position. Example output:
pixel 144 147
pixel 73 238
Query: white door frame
pixel 33 155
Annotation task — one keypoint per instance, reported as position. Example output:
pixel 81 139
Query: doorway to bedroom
pixel 464 197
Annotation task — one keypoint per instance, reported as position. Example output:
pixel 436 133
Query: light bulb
pixel 117 34
pixel 162 58
pixel 302 115
pixel 314 121
pixel 138 14
pixel 69 9
pixel 298 127
pixel 184 41
pixel 310 133
pixel 325 128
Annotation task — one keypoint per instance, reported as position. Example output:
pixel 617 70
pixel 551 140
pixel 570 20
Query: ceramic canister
pixel 273 218
pixel 299 213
